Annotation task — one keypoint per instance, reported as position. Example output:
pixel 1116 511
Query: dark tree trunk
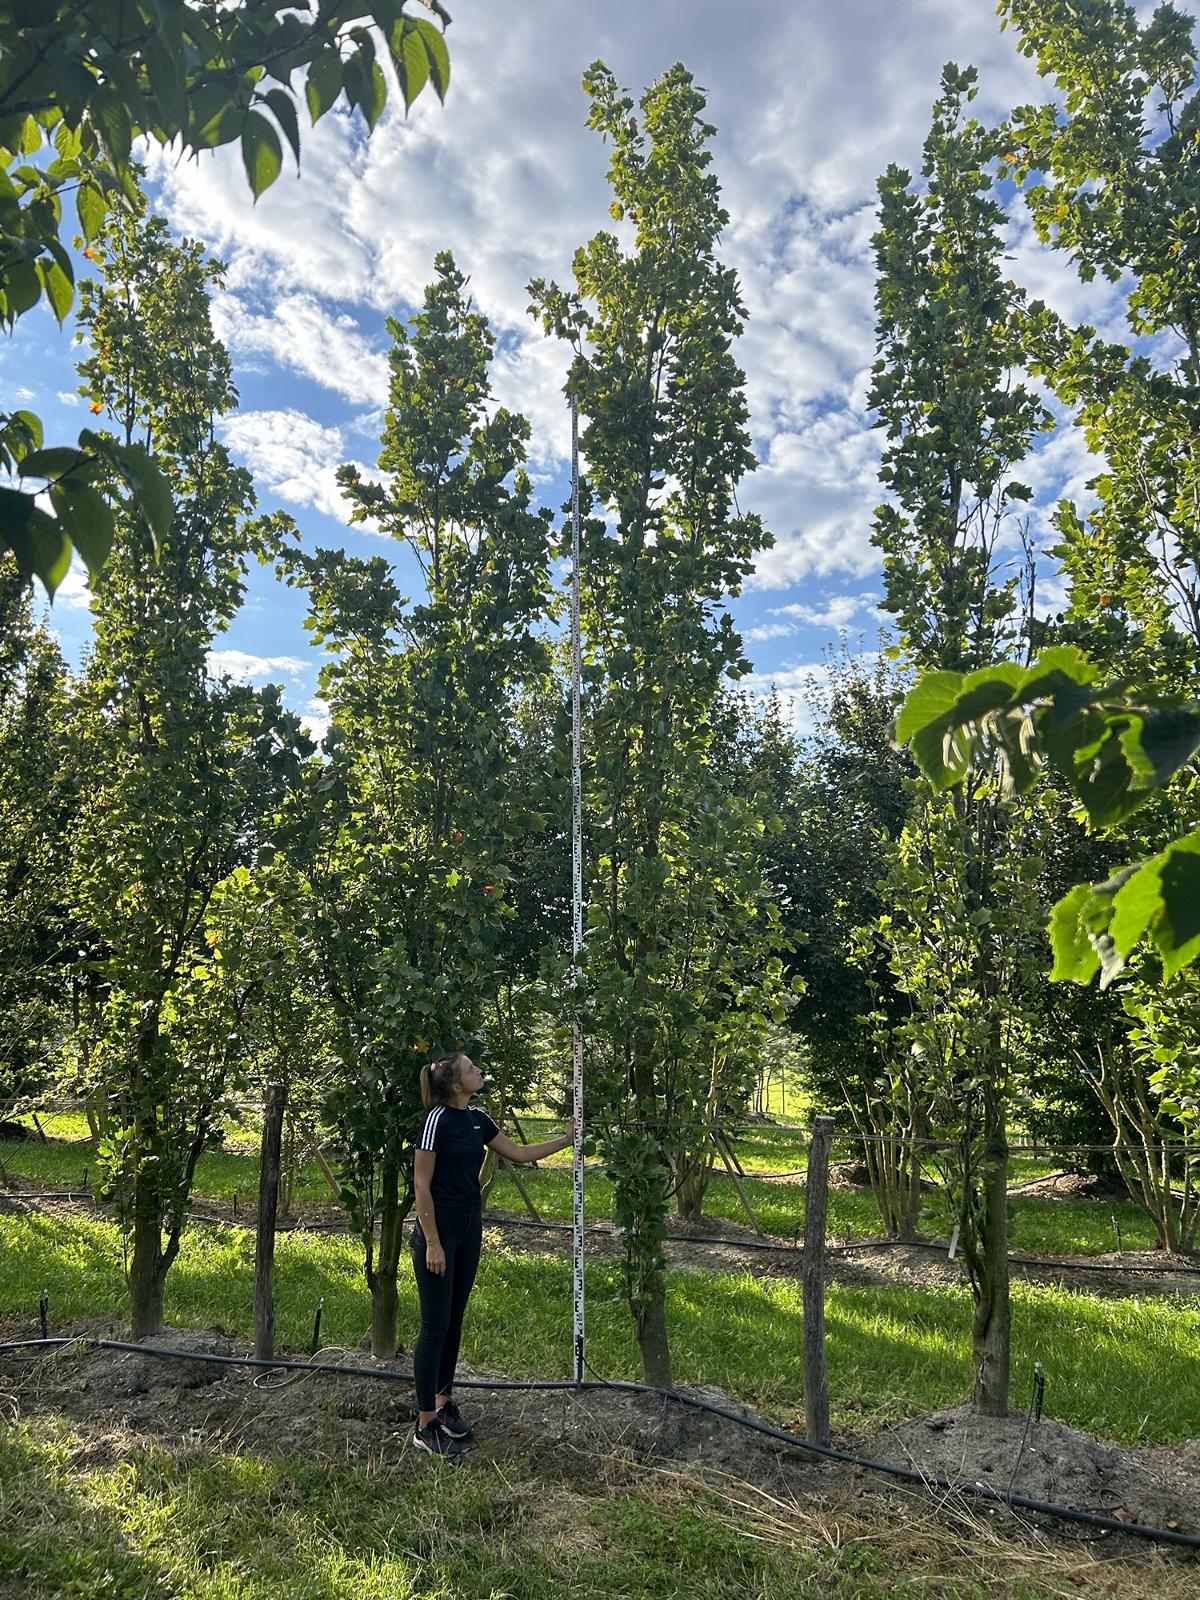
pixel 268 1205
pixel 992 1326
pixel 651 1323
pixel 147 1270
pixel 382 1275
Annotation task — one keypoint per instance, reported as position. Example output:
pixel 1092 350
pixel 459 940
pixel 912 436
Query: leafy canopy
pixel 79 84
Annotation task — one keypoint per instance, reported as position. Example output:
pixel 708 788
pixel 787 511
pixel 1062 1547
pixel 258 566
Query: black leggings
pixel 443 1301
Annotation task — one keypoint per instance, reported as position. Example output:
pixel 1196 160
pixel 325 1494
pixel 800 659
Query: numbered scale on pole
pixel 576 911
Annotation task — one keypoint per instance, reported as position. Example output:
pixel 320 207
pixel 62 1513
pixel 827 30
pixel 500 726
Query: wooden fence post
pixel 816 1198
pixel 268 1203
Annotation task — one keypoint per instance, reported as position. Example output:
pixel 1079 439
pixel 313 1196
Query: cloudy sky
pixel 811 102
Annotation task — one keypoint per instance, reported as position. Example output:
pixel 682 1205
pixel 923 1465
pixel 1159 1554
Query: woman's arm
pixel 524 1153
pixel 423 1165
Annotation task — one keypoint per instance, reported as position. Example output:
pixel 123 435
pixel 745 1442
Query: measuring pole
pixel 576 909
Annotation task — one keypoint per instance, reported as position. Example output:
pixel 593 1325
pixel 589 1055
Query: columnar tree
pixel 37 802
pixel 409 826
pixel 678 919
pixel 947 386
pixel 177 771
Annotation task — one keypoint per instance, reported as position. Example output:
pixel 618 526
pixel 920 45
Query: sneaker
pixel 451 1420
pixel 434 1440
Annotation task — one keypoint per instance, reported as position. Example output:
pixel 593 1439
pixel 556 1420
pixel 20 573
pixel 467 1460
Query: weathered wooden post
pixel 268 1203
pixel 816 1202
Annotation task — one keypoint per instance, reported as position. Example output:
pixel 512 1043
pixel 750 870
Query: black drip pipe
pixel 979 1491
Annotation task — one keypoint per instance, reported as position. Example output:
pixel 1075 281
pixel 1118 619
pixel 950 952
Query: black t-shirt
pixel 457 1139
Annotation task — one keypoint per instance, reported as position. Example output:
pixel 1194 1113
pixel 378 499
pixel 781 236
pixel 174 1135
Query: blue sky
pixel 811 102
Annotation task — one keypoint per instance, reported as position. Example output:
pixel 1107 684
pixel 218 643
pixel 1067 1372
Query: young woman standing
pixel 449 1232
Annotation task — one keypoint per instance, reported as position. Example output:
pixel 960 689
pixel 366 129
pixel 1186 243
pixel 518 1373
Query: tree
pixel 177 772
pixel 79 84
pixel 678 916
pixel 410 820
pixel 959 418
pixel 37 802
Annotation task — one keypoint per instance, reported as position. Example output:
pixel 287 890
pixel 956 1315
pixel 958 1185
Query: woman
pixel 449 1231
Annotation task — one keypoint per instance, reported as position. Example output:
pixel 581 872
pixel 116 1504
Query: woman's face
pixel 470 1078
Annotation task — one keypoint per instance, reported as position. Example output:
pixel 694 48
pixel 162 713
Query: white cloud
pixel 300 335
pixel 295 457
pixel 767 631
pixel 66 397
pixel 837 611
pixel 243 667
pixel 73 593
pixel 314 718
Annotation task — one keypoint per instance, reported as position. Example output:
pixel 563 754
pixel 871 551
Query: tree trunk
pixel 381 1278
pixel 650 1318
pixel 992 1326
pixel 692 1187
pixel 147 1274
pixel 268 1204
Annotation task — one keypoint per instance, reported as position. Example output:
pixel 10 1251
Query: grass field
pixel 1037 1226
pixel 191 1522
pixel 1122 1368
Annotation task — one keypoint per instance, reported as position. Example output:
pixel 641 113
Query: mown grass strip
pixel 1038 1226
pixel 195 1522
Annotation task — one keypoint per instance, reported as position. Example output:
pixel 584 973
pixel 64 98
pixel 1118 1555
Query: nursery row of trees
pixel 202 901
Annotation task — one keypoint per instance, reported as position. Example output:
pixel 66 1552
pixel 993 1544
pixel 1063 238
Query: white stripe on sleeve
pixel 425 1142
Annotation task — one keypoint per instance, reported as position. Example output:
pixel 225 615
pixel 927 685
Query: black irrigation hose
pixel 1091 1519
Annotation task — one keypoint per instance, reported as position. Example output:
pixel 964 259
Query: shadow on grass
pixel 55 1540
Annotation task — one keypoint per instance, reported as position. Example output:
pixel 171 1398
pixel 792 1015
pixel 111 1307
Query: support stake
pixel 816 1202
pixel 576 915
pixel 268 1206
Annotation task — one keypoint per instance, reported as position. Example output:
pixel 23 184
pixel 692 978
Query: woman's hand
pixel 435 1258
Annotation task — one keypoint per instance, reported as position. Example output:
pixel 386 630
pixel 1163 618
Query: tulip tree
pixel 177 772
pixel 79 85
pixel 679 929
pixel 409 822
pixel 959 419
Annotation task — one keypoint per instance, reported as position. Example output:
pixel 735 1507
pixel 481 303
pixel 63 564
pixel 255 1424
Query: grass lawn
pixel 1121 1368
pixel 1037 1226
pixel 192 1522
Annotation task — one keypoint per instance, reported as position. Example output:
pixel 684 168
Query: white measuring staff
pixel 576 909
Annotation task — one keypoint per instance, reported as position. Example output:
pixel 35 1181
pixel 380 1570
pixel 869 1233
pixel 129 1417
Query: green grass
pixel 1037 1226
pixel 192 1522
pixel 1122 1368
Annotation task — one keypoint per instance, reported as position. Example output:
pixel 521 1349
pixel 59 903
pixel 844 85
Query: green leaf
pixel 55 462
pixel 1177 933
pixel 41 547
pixel 924 704
pixel 87 520
pixel 60 291
pixel 1075 955
pixel 412 62
pixel 324 82
pixel 147 484
pixel 439 56
pixel 284 107
pixel 91 209
pixel 262 154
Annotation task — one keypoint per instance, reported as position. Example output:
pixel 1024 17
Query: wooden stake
pixel 816 1202
pixel 268 1204
pixel 731 1166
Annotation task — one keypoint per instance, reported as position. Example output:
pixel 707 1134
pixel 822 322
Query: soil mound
pixel 1057 1464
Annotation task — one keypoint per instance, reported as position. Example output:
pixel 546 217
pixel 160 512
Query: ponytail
pixel 439 1079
